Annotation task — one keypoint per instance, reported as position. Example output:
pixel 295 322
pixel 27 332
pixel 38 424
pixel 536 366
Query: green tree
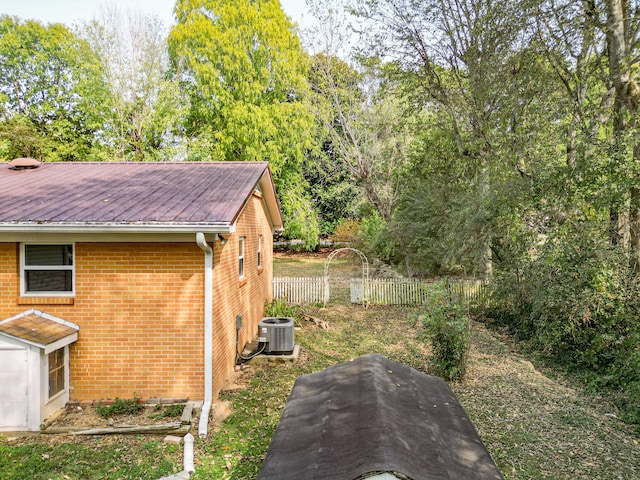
pixel 470 70
pixel 52 97
pixel 147 109
pixel 245 73
pixel 622 32
pixel 361 115
pixel 592 46
pixel 337 191
pixel 363 135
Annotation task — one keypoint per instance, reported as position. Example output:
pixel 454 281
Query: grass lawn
pixel 105 457
pixel 535 426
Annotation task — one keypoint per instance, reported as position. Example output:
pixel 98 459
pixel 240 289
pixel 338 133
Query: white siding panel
pixel 13 388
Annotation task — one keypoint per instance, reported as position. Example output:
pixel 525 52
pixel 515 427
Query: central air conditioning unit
pixel 277 334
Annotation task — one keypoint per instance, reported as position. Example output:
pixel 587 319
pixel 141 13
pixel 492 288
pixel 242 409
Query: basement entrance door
pixel 13 388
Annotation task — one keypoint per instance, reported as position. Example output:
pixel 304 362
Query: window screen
pixel 48 268
pixel 56 372
pixel 48 255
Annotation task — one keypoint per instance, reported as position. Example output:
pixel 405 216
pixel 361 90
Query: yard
pixel 535 424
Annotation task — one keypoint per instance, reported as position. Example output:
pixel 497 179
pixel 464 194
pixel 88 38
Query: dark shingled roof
pixel 375 415
pixel 130 193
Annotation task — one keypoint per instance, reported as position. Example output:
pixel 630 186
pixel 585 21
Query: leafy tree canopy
pixel 147 110
pixel 52 96
pixel 244 71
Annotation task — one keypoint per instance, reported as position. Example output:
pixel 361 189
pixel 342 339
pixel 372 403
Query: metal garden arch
pixel 365 273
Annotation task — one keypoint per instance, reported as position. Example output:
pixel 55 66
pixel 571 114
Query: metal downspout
pixel 208 334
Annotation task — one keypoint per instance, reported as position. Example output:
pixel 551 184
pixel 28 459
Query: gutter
pixel 115 227
pixel 208 334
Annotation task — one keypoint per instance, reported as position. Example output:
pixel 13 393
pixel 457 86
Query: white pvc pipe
pixel 188 454
pixel 208 334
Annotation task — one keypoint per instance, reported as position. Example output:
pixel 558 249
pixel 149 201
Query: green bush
pixel 447 327
pixel 582 305
pixel 577 301
pixel 169 411
pixel 120 407
pixel 509 304
pixel 280 308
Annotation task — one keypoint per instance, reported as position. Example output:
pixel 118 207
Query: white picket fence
pixel 408 291
pixel 389 291
pixel 379 291
pixel 299 290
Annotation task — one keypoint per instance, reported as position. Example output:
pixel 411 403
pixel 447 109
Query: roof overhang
pixel 114 232
pixel 82 227
pixel 270 199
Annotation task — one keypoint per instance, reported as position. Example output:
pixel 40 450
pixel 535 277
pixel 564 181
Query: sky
pixel 73 11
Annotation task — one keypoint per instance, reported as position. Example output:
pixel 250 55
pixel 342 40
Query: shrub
pixel 347 231
pixel 174 410
pixel 581 299
pixel 377 237
pixel 577 301
pixel 509 304
pixel 280 308
pixel 447 328
pixel 120 407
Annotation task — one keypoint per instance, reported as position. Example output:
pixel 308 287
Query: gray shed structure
pixel 378 419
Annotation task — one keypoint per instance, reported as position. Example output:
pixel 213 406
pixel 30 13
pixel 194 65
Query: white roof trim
pixel 63 342
pixel 81 227
pixel 33 311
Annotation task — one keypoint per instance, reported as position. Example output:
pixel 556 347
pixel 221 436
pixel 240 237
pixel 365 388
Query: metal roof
pixel 121 194
pixel 375 416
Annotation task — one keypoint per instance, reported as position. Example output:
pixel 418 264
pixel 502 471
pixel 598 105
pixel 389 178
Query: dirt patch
pixel 88 416
pixel 238 380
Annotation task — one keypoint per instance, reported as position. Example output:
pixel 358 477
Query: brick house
pixel 126 278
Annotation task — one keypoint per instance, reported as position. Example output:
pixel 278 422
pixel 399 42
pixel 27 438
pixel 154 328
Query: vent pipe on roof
pixel 23 164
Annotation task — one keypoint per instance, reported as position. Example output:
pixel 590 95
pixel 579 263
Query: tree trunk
pixel 634 220
pixel 484 188
pixel 634 230
pixel 620 75
pixel 580 91
pixel 619 225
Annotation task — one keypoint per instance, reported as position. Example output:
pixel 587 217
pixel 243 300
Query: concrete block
pixel 276 358
pixel 172 439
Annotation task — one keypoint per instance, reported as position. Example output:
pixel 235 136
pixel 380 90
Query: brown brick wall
pixel 9 286
pixel 139 307
pixel 234 297
pixel 140 311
